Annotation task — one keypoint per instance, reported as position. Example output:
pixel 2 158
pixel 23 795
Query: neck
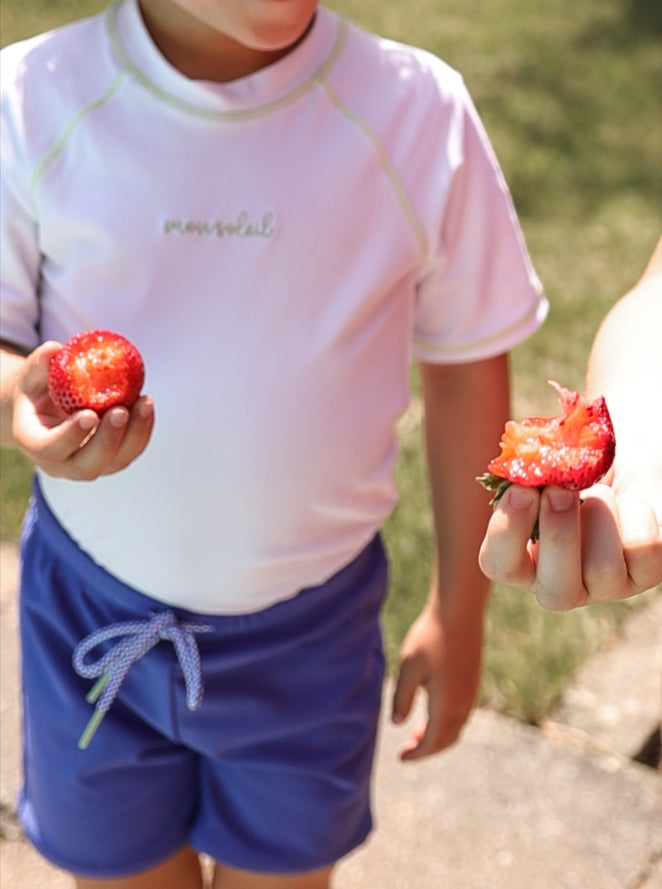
pixel 199 51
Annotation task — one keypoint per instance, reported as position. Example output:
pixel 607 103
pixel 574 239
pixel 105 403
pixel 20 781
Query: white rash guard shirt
pixel 278 248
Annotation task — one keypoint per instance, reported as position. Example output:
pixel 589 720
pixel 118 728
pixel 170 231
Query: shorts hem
pixel 250 862
pixel 96 872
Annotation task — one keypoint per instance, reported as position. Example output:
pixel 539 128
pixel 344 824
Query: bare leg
pixel 181 871
pixel 229 878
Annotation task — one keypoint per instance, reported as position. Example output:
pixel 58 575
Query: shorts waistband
pixel 151 621
pixel 370 560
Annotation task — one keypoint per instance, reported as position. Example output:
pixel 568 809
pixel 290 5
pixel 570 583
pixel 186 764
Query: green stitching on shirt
pixel 162 95
pixel 521 323
pixel 387 167
pixel 64 137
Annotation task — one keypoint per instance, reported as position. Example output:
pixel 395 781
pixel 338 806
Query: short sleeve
pixel 19 243
pixel 478 294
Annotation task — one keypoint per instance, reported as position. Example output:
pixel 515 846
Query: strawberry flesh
pixel 573 450
pixel 96 369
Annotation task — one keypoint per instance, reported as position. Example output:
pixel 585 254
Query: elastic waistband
pixel 367 569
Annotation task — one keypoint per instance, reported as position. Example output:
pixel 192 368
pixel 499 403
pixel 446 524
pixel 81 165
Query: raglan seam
pixel 394 179
pixel 61 141
pixel 129 70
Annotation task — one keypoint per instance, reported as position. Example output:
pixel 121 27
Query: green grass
pixel 569 93
pixel 15 476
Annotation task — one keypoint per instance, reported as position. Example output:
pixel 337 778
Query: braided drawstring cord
pixel 137 638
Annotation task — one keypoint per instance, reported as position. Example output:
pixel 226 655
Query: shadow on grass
pixel 645 15
pixel 583 116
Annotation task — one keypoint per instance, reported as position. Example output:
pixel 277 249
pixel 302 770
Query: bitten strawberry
pixel 573 450
pixel 96 369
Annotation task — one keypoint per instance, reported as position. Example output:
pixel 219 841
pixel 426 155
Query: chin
pixel 281 33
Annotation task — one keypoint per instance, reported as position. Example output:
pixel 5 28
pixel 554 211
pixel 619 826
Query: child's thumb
pixel 403 694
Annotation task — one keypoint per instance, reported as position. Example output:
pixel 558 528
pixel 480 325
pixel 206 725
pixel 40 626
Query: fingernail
pixel 561 500
pixel 145 408
pixel 520 497
pixel 87 422
pixel 119 418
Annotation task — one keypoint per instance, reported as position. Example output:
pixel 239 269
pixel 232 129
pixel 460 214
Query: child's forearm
pixel 465 409
pixel 466 406
pixel 11 362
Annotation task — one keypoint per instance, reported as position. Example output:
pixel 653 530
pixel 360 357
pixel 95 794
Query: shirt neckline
pixel 257 94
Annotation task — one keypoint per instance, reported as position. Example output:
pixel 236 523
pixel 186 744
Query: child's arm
pixel 466 406
pixel 609 546
pixel 81 446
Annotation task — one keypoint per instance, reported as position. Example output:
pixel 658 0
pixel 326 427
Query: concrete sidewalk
pixel 511 806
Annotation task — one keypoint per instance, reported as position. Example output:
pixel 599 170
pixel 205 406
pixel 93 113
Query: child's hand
pixel 608 547
pixel 447 666
pixel 80 446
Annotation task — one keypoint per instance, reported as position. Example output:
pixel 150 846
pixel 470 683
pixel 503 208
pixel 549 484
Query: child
pixel 278 210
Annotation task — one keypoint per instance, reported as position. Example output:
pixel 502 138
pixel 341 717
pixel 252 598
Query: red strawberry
pixel 573 450
pixel 95 369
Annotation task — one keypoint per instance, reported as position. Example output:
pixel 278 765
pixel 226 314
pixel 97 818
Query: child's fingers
pixel 137 435
pixel 439 732
pixel 35 375
pixel 414 748
pixel 96 454
pixel 51 447
pixel 403 694
pixel 422 740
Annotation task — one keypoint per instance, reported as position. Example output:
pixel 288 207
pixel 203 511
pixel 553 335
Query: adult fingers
pixel 622 545
pixel 603 560
pixel 505 555
pixel 642 543
pixel 559 580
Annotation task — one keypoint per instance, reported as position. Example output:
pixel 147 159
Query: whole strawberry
pixel 573 450
pixel 96 369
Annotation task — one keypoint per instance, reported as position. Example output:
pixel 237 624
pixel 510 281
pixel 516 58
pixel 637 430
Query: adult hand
pixel 602 546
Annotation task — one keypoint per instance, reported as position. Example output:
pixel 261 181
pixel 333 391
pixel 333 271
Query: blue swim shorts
pixel 268 770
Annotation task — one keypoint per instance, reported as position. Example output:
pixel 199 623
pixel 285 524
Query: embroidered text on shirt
pixel 242 227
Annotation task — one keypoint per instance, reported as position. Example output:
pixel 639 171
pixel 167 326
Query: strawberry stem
pixel 494 483
pixel 500 486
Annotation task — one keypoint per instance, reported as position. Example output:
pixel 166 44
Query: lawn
pixel 569 93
